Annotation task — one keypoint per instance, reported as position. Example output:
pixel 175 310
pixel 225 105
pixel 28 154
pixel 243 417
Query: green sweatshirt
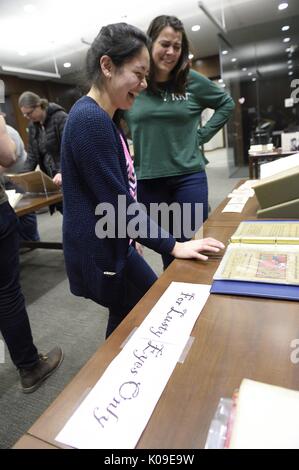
pixel 165 130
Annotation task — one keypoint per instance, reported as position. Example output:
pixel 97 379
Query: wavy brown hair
pixel 180 72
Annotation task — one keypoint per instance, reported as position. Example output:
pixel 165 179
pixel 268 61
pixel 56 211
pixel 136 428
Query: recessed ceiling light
pixel 196 27
pixel 224 52
pixel 283 6
pixel 29 8
pixel 234 59
pixel 67 65
pixel 290 73
pixel 285 28
pixel 253 79
pixel 290 66
pixel 289 61
pixel 249 74
pixel 286 39
pixel 190 56
pixel 244 69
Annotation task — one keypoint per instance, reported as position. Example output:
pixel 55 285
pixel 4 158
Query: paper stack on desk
pixel 266 417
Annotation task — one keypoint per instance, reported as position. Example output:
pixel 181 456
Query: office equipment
pixel 34 182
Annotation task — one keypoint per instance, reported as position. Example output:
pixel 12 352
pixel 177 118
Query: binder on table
pixel 262 260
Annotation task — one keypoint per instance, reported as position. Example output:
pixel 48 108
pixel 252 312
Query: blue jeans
pixel 27 227
pixel 139 277
pixel 192 188
pixel 14 322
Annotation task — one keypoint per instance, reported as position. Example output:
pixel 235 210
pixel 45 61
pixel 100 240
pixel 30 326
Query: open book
pixel 266 417
pixel 261 260
pixel 34 182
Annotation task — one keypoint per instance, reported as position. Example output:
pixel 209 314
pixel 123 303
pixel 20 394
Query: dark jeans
pixel 27 227
pixel 192 188
pixel 139 277
pixel 14 322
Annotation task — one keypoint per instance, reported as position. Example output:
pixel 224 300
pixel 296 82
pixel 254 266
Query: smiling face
pixel 166 52
pixel 127 81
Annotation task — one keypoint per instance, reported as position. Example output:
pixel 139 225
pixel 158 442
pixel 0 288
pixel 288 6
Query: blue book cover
pixel 255 289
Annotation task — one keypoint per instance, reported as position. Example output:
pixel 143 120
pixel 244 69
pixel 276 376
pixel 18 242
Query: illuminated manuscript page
pixel 260 263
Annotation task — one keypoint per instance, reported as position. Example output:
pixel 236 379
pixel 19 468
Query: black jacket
pixel 45 141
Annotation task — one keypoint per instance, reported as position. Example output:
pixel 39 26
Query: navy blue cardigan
pixel 94 171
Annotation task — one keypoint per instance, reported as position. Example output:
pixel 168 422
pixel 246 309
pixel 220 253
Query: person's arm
pixel 61 118
pixel 32 159
pixel 7 146
pixel 210 95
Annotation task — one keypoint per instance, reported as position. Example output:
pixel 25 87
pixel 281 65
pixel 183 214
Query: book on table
pixel 261 260
pixel 266 417
pixel 34 182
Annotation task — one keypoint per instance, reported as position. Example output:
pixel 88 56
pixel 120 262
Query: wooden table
pixel 254 160
pixel 235 337
pixel 29 204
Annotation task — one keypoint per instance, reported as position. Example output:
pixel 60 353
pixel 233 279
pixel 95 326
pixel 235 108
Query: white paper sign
pixel 116 411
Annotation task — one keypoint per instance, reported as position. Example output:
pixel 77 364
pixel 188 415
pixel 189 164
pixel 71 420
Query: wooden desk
pixel 235 337
pixel 254 160
pixel 29 204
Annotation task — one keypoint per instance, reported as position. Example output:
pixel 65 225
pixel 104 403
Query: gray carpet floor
pixel 58 317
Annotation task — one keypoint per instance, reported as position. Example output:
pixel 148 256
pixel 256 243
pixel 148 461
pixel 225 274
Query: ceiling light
pixel 288 49
pixel 290 66
pixel 190 56
pixel 234 59
pixel 253 79
pixel 8 68
pixel 220 80
pixel 249 74
pixel 290 73
pixel 29 8
pixel 244 69
pixel 283 6
pixel 289 61
pixel 196 27
pixel 67 65
pixel 285 28
pixel 224 52
pixel 286 39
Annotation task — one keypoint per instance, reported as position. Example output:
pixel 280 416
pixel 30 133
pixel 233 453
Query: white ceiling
pixel 56 27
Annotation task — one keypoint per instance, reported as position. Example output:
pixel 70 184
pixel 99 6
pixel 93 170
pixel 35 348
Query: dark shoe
pixel 32 378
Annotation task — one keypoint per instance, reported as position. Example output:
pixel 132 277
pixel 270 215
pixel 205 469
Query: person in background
pixel 97 171
pixel 164 123
pixel 47 121
pixel 27 224
pixel 33 367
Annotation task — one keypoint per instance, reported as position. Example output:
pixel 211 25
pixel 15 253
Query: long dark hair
pixel 180 72
pixel 120 41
